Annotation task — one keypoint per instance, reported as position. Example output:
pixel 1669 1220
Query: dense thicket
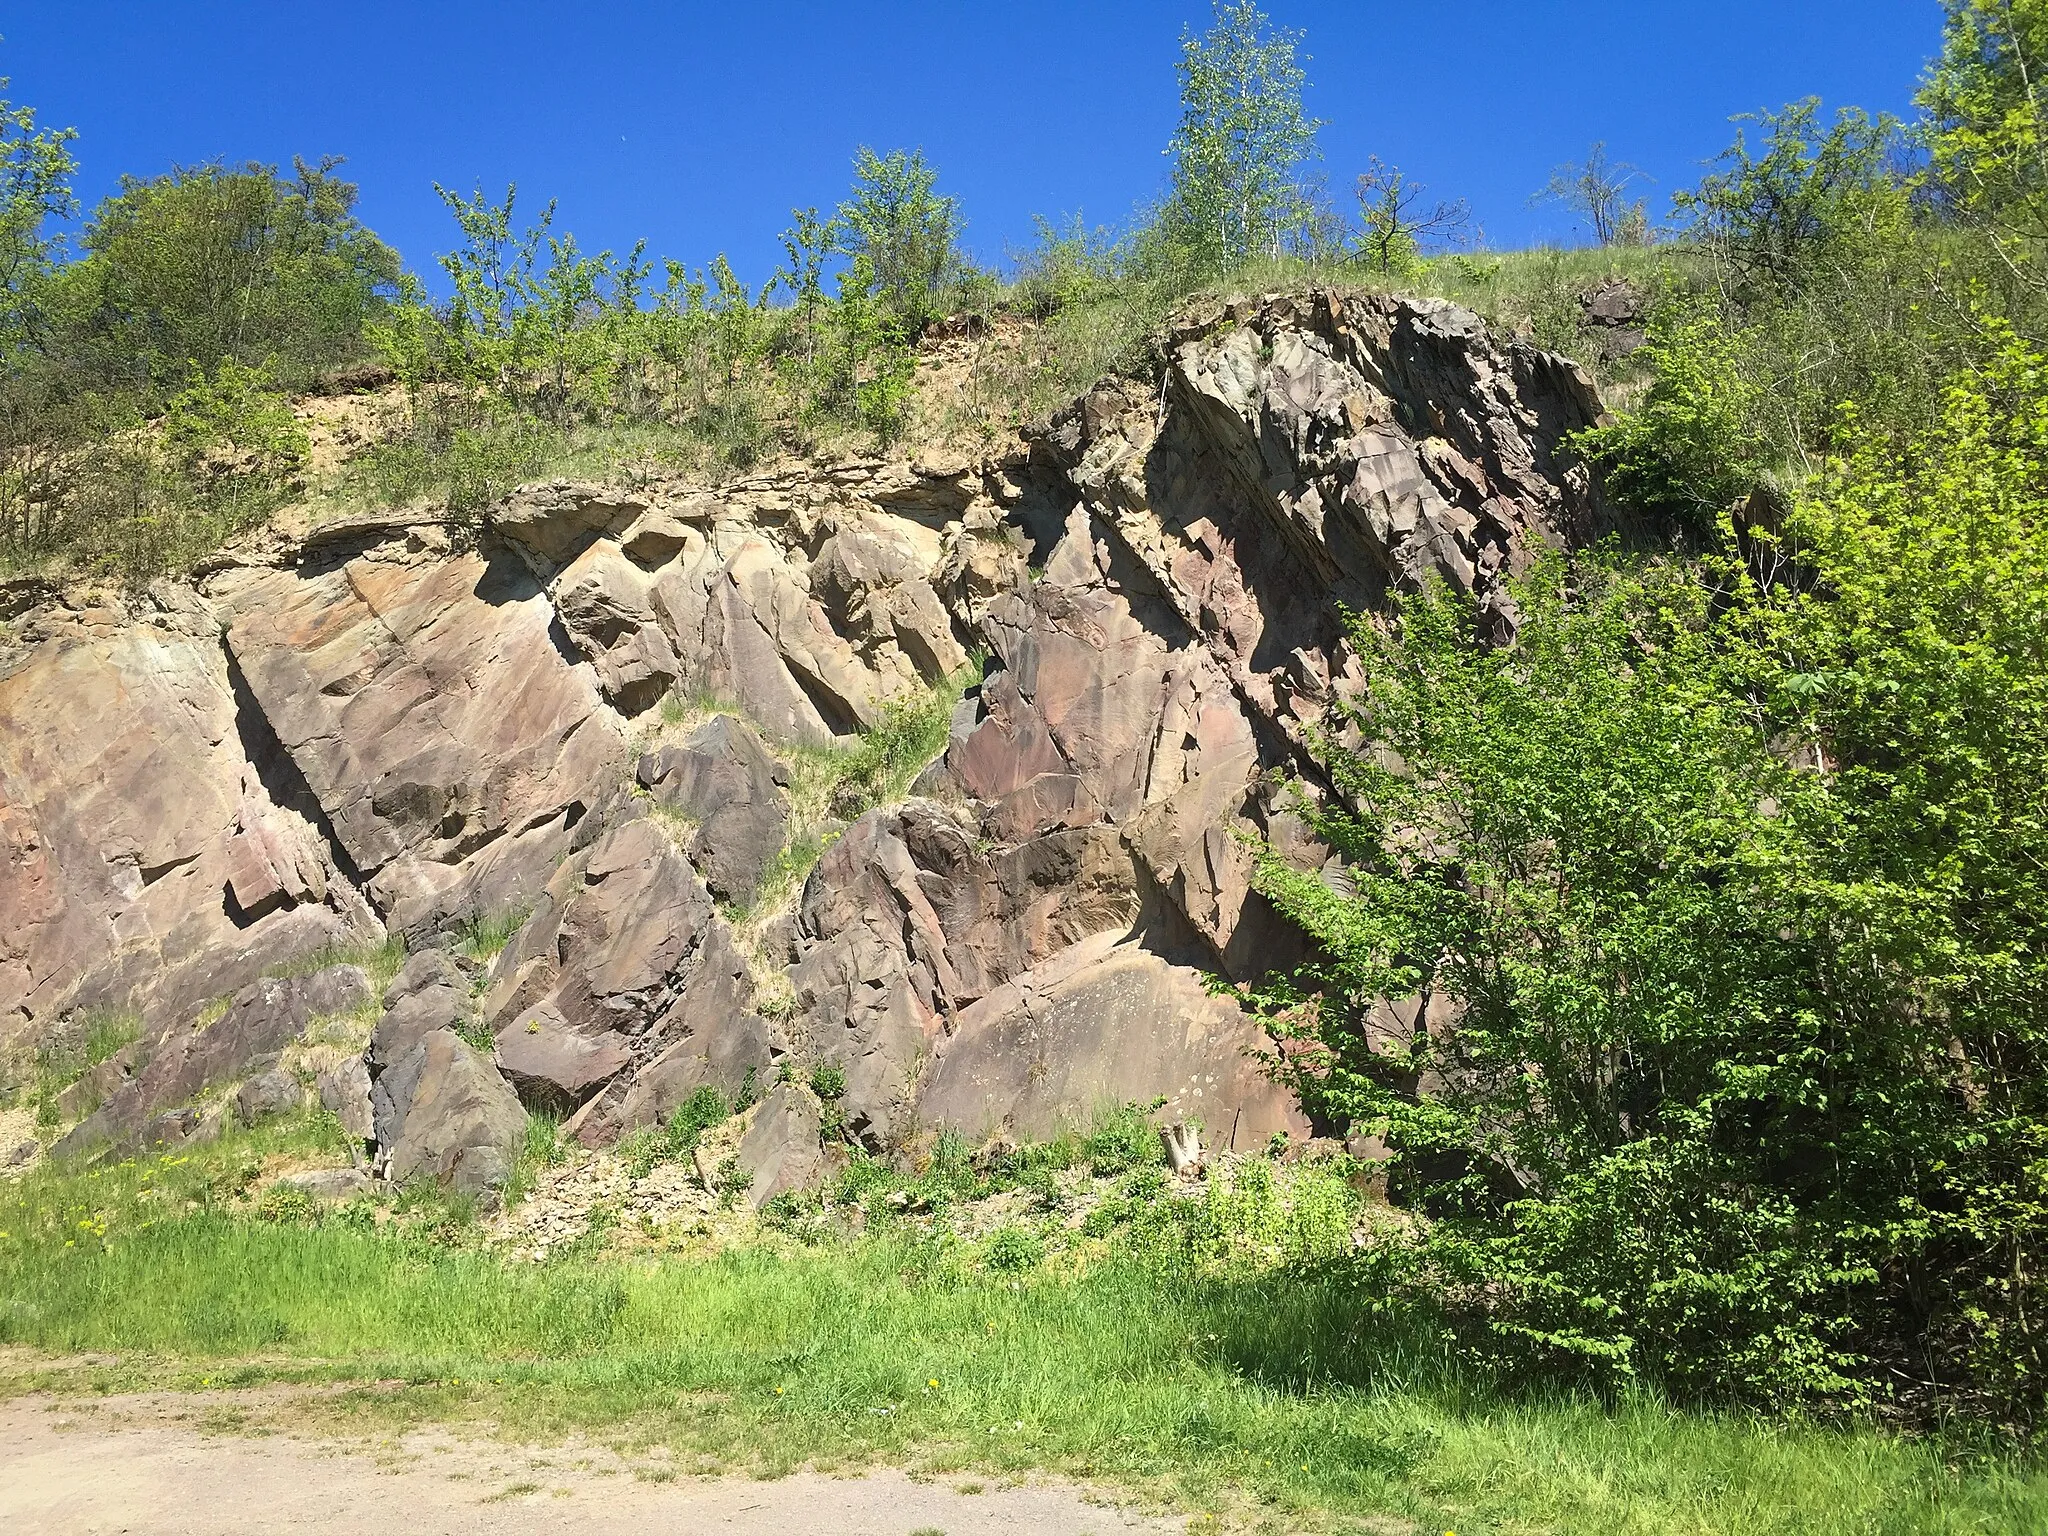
pixel 1725 879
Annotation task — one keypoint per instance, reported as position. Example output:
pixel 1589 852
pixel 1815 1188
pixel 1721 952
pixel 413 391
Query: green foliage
pixel 285 1205
pixel 828 1082
pixel 902 235
pixel 1985 126
pixel 1013 1249
pixel 1687 453
pixel 911 733
pixel 1240 152
pixel 484 936
pixel 1208 1384
pixel 1730 899
pixel 1123 1139
pixel 210 264
pixel 677 1140
pixel 1813 194
pixel 36 167
pixel 1396 226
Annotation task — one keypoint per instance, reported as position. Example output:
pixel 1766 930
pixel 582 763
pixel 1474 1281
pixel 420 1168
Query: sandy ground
pixel 150 1463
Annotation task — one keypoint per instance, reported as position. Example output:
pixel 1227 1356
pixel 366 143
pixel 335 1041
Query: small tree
pixel 1595 189
pixel 907 233
pixel 1810 188
pixel 1243 141
pixel 35 187
pixel 1398 225
pixel 1986 100
pixel 212 262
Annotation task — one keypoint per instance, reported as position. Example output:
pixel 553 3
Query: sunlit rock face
pixel 578 718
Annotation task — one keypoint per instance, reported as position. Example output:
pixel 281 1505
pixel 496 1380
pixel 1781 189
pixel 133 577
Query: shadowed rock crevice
pixel 280 775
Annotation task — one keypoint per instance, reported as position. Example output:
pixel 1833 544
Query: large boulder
pixel 722 779
pixel 344 1091
pixel 449 743
pixel 907 919
pixel 780 1150
pixel 1103 1024
pixel 268 1095
pixel 605 603
pixel 431 991
pixel 551 524
pixel 443 1113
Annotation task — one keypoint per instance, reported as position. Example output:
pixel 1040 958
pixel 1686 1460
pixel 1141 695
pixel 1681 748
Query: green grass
pixel 1275 1395
pixel 484 937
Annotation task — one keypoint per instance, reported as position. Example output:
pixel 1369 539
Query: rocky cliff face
pixel 402 726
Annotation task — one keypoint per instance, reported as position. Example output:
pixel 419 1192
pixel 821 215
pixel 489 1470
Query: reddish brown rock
pixel 1103 1024
pixel 448 741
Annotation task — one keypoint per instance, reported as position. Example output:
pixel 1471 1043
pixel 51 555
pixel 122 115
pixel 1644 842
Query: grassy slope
pixel 1265 1396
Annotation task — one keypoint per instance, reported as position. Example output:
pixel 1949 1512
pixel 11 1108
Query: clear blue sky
pixel 699 126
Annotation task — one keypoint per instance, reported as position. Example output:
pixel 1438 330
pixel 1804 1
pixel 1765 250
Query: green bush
pixel 1732 894
pixel 1013 1249
pixel 1122 1139
pixel 677 1140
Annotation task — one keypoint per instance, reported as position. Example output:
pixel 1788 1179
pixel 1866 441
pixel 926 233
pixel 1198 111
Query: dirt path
pixel 149 1464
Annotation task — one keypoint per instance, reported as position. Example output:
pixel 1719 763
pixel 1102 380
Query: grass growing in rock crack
pixel 484 936
pixel 1273 1393
pixel 829 786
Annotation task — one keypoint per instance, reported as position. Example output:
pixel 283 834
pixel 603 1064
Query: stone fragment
pixel 551 524
pixel 266 1096
pixel 604 602
pixel 431 992
pixel 345 1093
pixel 328 1184
pixel 444 1113
pixel 780 1149
pixel 554 1067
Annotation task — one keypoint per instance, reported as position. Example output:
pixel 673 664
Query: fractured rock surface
pixel 404 726
pixel 722 779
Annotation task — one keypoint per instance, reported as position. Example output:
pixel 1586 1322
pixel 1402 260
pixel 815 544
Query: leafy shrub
pixel 677 1140
pixel 1122 1140
pixel 1730 899
pixel 286 1205
pixel 1012 1249
pixel 210 265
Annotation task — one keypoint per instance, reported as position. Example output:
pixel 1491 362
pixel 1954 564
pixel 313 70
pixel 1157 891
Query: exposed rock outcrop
pixel 724 781
pixel 263 1018
pixel 405 725
pixel 624 979
pixel 145 866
